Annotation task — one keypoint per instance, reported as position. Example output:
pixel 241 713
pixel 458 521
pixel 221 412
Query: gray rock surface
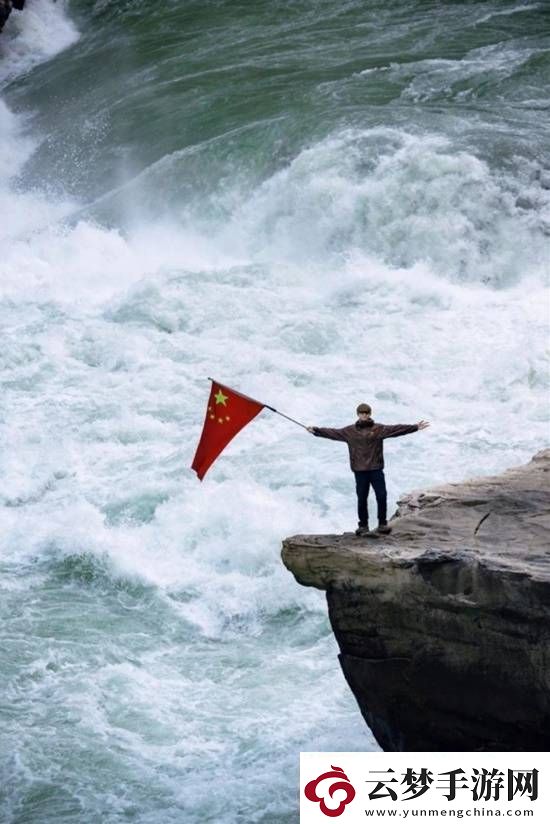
pixel 444 625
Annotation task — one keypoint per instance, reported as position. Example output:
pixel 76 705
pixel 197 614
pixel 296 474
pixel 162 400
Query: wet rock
pixel 444 625
pixel 6 7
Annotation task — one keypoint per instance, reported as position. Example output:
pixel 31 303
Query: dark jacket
pixel 365 441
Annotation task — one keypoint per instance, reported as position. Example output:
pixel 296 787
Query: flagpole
pixel 282 414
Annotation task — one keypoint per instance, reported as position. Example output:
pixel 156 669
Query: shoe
pixel 365 532
pixel 383 529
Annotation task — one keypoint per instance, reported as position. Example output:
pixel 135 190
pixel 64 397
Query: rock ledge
pixel 444 625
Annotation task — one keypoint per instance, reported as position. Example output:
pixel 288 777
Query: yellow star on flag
pixel 220 397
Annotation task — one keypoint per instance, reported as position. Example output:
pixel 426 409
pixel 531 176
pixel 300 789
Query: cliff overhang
pixel 444 625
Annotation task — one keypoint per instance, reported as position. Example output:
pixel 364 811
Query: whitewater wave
pixel 404 199
pixel 339 278
pixel 147 617
pixel 399 198
pixel 29 38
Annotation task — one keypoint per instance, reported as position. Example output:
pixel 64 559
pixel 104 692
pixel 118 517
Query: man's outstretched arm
pixel 402 429
pixel 331 434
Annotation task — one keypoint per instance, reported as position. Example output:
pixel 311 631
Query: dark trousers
pixel 363 481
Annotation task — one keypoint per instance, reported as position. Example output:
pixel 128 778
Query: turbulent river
pixel 317 203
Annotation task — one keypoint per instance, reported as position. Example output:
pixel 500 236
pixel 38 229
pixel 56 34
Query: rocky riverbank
pixel 444 625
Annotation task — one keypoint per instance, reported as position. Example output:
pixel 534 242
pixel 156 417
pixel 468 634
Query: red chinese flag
pixel 227 413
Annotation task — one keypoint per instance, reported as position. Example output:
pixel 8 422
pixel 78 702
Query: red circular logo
pixel 342 783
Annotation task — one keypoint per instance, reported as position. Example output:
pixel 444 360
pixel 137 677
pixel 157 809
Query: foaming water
pixel 147 618
pixel 42 32
pixel 405 199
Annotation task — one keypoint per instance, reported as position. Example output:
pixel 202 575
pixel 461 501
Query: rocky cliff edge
pixel 444 625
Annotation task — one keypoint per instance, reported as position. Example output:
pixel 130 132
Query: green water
pixel 318 203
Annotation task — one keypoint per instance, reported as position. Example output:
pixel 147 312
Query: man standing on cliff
pixel 365 440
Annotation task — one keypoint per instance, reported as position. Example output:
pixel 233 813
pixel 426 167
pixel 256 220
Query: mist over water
pixel 315 203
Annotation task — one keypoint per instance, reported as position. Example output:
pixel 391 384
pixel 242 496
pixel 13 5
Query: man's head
pixel 363 411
